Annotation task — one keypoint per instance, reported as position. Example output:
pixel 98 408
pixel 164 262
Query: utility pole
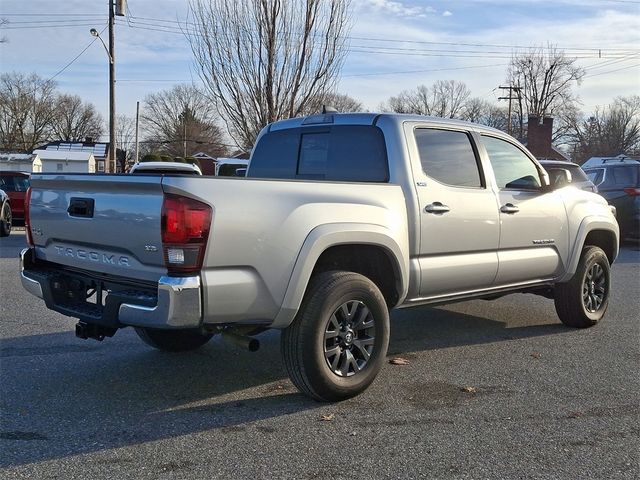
pixel 511 89
pixel 112 91
pixel 137 124
pixel 184 138
pixel 119 6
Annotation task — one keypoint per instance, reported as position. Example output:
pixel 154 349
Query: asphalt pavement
pixel 492 390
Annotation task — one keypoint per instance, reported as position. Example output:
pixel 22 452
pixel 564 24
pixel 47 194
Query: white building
pixel 20 162
pixel 66 161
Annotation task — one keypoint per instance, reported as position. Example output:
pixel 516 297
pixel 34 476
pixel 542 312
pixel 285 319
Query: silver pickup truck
pixel 341 218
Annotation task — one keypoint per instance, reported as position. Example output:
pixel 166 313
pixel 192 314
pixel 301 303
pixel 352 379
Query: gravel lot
pixel 492 390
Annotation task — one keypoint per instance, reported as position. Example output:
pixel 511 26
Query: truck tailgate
pixel 105 224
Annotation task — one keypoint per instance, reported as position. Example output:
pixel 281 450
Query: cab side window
pixel 513 169
pixel 448 157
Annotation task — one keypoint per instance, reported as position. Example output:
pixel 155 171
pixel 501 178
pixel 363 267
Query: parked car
pixel 166 168
pixel 578 178
pixel 15 184
pixel 230 167
pixel 618 180
pixel 5 214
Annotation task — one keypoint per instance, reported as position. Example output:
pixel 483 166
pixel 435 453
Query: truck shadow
pixel 64 397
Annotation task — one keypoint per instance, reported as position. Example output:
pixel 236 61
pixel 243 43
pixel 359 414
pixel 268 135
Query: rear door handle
pixel 437 208
pixel 509 208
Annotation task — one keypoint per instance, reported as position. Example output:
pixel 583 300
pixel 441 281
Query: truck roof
pixel 372 119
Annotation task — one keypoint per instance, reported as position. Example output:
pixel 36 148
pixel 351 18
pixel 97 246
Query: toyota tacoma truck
pixel 341 218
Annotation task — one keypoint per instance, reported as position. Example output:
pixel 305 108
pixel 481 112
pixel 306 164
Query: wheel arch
pixel 599 232
pixel 370 250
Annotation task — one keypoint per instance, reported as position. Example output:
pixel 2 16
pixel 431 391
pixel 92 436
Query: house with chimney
pixel 539 135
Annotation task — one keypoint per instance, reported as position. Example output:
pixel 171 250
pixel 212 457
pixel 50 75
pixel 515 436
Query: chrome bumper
pixel 178 306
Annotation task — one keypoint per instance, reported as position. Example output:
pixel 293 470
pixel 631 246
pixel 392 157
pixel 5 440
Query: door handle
pixel 509 208
pixel 437 208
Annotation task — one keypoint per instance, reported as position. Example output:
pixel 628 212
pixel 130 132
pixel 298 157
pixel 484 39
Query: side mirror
pixel 559 177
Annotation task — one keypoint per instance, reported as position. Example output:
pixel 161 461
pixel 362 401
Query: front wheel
pixel 582 301
pixel 173 340
pixel 338 341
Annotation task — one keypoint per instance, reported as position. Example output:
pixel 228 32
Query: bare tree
pixel 546 78
pixel 180 119
pixel 341 102
pixel 3 21
pixel 449 97
pixel 265 60
pixel 416 101
pixel 74 120
pixel 480 111
pixel 125 139
pixel 611 131
pixel 27 110
pixel 445 98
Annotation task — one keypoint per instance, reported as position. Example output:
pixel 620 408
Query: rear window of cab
pixel 349 153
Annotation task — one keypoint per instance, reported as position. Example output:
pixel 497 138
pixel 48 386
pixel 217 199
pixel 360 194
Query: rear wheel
pixel 338 341
pixel 173 340
pixel 5 220
pixel 582 301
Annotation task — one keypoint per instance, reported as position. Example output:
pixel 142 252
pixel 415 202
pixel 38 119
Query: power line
pixel 184 27
pixel 76 57
pixel 423 71
pixel 612 71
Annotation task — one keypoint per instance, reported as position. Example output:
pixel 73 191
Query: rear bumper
pixel 174 303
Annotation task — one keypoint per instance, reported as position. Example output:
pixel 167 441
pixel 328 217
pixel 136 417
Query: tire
pixel 582 301
pixel 5 220
pixel 338 341
pixel 173 340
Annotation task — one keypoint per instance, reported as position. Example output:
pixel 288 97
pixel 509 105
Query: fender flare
pixel 329 235
pixel 589 224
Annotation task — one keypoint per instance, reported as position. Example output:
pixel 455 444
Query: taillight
pixel 185 231
pixel 632 192
pixel 27 220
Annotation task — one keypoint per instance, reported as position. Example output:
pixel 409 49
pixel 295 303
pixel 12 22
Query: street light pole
pixel 112 91
pixel 111 159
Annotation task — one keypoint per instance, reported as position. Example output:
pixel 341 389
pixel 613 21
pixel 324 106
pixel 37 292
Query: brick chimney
pixel 539 137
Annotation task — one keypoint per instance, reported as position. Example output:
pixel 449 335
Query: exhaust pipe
pixel 242 341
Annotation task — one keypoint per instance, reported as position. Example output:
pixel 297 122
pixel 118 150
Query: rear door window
pixel 622 176
pixel 14 184
pixel 449 157
pixel 353 153
pixel 577 174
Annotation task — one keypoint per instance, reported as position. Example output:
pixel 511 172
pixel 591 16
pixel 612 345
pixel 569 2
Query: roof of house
pixel 98 149
pixel 64 155
pixel 16 157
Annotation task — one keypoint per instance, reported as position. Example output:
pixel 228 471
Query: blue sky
pixel 394 45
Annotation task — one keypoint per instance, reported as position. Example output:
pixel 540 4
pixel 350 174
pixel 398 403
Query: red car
pixel 15 184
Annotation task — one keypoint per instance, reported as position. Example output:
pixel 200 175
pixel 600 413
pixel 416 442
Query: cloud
pixel 397 8
pixel 446 13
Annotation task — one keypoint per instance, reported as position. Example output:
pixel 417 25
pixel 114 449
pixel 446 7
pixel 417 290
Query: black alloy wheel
pixel 349 338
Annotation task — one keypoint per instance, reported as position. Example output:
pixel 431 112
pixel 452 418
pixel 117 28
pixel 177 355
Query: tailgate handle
pixel 81 207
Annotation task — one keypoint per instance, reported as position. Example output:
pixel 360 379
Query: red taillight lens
pixel 185 231
pixel 632 192
pixel 27 220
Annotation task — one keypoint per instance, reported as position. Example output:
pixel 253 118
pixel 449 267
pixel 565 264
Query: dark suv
pixel 618 180
pixel 15 184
